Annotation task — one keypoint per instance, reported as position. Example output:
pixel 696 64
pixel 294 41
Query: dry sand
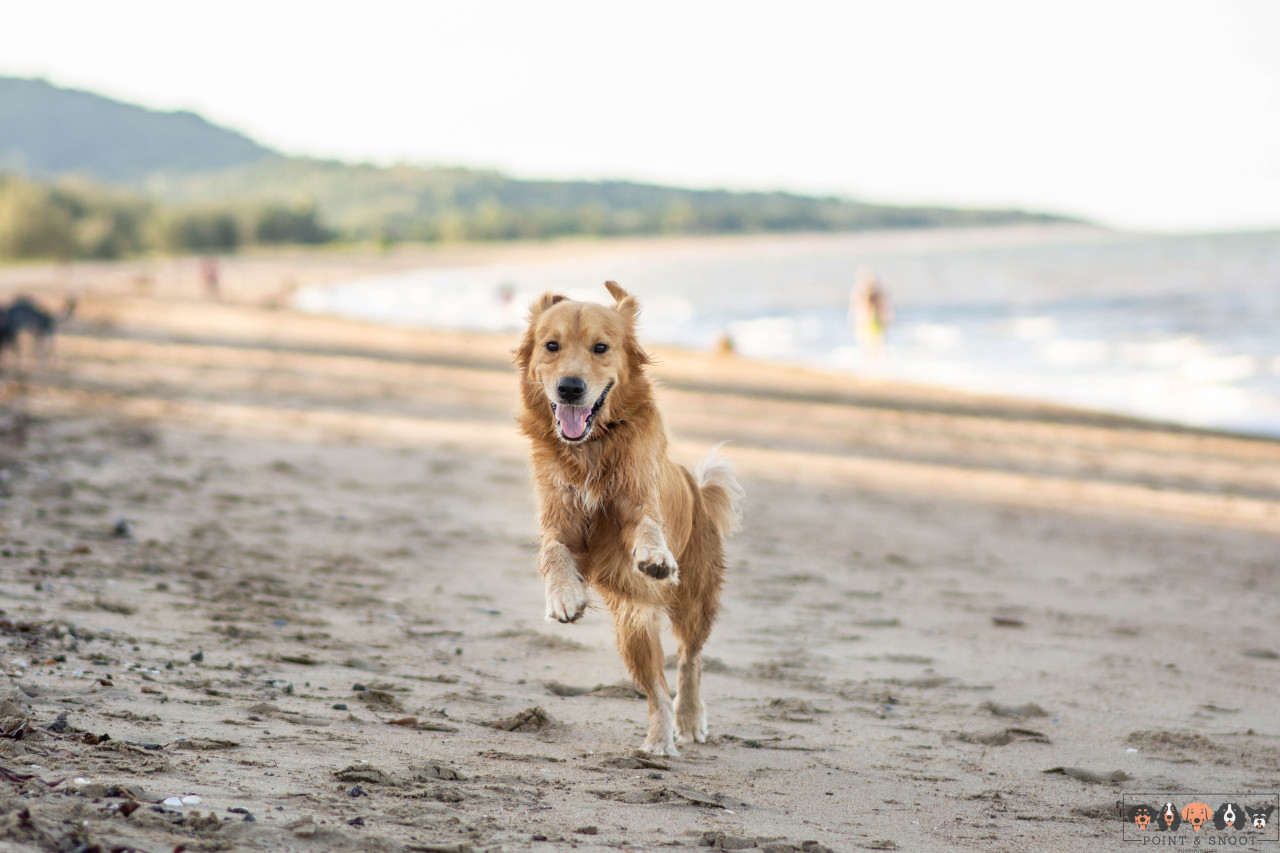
pixel 285 564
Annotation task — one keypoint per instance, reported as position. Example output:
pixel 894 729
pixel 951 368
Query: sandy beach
pixel 285 564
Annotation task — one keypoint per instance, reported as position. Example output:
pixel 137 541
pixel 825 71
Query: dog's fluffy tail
pixel 721 493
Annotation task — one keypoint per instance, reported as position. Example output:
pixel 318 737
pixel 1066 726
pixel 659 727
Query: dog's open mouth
pixel 574 422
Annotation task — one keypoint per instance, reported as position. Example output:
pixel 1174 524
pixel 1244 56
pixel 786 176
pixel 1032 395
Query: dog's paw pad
pixel 658 564
pixel 660 571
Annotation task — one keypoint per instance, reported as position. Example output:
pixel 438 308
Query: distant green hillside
pixel 46 131
pixel 411 203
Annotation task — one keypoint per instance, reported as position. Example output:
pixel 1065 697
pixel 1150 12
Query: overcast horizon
pixel 1146 115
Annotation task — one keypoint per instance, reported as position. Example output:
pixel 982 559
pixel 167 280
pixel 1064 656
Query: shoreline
pixel 255 277
pixel 198 320
pixel 273 279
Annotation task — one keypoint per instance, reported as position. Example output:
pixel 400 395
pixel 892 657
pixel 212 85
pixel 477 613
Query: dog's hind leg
pixel 641 649
pixel 692 625
pixel 691 713
pixel 693 612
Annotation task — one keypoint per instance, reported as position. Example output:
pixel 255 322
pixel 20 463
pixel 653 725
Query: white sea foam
pixel 1073 353
pixel 1033 328
pixel 937 335
pixel 1211 369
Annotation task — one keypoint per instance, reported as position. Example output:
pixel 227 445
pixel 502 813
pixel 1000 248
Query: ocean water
pixel 1183 329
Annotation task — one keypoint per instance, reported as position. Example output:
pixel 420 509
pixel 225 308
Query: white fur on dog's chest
pixel 590 500
pixel 589 497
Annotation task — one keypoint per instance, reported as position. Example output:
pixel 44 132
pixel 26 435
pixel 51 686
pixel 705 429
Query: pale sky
pixel 1157 114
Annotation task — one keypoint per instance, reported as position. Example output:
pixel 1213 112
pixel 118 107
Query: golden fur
pixel 615 512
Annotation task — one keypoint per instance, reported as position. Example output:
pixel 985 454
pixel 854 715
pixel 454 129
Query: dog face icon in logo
pixel 1197 814
pixel 1141 816
pixel 1259 817
pixel 1230 814
pixel 1168 819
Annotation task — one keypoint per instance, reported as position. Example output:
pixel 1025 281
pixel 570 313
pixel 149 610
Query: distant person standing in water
pixel 869 314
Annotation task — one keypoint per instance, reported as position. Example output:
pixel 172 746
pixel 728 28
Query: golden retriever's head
pixel 1196 814
pixel 580 361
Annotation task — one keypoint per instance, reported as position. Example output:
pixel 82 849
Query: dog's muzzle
pixel 574 422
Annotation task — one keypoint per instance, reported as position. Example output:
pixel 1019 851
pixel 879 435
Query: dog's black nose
pixel 571 389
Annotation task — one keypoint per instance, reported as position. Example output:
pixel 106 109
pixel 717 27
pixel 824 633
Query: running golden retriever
pixel 614 510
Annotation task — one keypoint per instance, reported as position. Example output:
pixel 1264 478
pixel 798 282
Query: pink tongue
pixel 573 419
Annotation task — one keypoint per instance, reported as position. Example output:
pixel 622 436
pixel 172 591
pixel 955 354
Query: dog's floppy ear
pixel 624 303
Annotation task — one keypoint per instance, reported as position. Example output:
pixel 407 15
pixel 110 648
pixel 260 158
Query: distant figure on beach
pixel 509 315
pixel 869 314
pixel 210 276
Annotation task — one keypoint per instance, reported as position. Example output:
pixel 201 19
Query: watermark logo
pixel 1173 820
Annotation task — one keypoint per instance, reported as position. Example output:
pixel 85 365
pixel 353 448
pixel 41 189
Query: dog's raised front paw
pixel 657 563
pixel 567 601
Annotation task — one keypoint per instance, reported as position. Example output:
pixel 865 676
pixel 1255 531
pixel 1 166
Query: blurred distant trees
pixel 407 203
pixel 69 220
pixel 74 218
pixel 306 202
pixel 281 224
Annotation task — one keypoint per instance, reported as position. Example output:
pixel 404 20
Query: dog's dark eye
pixel 601 348
pixel 552 346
